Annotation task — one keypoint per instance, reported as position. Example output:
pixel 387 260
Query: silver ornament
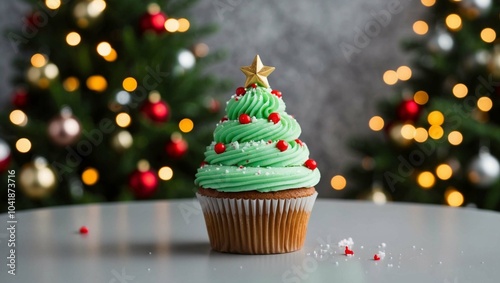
pixel 484 169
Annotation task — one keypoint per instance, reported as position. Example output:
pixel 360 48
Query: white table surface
pixel 166 241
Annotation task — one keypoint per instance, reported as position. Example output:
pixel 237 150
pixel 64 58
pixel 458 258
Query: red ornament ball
pixel 177 149
pixel 84 230
pixel 219 148
pixel 5 156
pixel 311 164
pixel 240 91
pixel 408 110
pixel 143 183
pixel 20 98
pixel 156 111
pixel 244 119
pixel 276 92
pixel 299 142
pixel 282 145
pixel 253 85
pixel 154 22
pixel 274 117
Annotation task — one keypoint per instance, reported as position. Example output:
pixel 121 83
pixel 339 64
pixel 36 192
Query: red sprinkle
pixel 311 164
pixel 276 92
pixel 376 257
pixel 240 91
pixel 223 119
pixel 274 117
pixel 282 145
pixel 299 142
pixel 254 85
pixel 348 251
pixel 219 148
pixel 245 119
pixel 84 230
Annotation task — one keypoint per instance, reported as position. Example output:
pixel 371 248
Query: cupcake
pixel 256 184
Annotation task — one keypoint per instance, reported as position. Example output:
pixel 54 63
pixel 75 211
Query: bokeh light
pixel 444 171
pixel 421 134
pixel 23 145
pixel 460 90
pixel 90 176
pixel 453 22
pixel 38 60
pixel 129 84
pixel 104 48
pixel 484 104
pixel 390 77
pixel 488 35
pixel 455 138
pixel 428 3
pixel 435 118
pixel 426 179
pixel 338 182
pixel 183 25
pixel 186 125
pixel 420 27
pixel 73 38
pixel 436 132
pixel 18 117
pixel 454 197
pixel 172 25
pixel 53 4
pixel 111 56
pixel 376 123
pixel 404 73
pixel 71 84
pixel 421 97
pixel 97 83
pixel 408 131
pixel 165 173
pixel 123 120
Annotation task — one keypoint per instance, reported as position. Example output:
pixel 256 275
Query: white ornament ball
pixel 484 169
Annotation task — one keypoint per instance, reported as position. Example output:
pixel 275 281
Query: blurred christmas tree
pixel 108 93
pixel 442 130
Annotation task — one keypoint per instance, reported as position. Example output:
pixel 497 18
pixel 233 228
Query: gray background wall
pixel 331 95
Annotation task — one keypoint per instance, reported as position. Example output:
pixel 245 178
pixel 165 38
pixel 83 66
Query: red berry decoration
pixel 408 110
pixel 254 85
pixel 274 117
pixel 84 230
pixel 282 145
pixel 311 164
pixel 156 111
pixel 376 257
pixel 177 149
pixel 219 148
pixel 299 142
pixel 276 92
pixel 245 119
pixel 240 91
pixel 153 22
pixel 348 251
pixel 143 183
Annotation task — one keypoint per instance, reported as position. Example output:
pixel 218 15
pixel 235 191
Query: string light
pixel 104 48
pixel 484 104
pixel 171 25
pixel 453 197
pixel 129 84
pixel 376 123
pixel 23 145
pixel 53 4
pixel 338 182
pixel 90 176
pixel 421 97
pixel 428 3
pixel 390 77
pixel 460 90
pixel 186 125
pixel 408 131
pixel 435 118
pixel 123 120
pixel 95 8
pixel 453 22
pixel 97 83
pixel 71 84
pixel 18 117
pixel 488 35
pixel 455 138
pixel 51 71
pixel 165 173
pixel 404 73
pixel 111 56
pixel 183 25
pixel 426 179
pixel 38 60
pixel 420 27
pixel 421 134
pixel 73 38
pixel 436 132
pixel 444 172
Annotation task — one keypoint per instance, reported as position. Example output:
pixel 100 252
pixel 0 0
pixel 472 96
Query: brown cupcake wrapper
pixel 256 226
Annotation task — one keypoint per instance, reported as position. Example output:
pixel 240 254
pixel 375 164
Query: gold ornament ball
pixel 37 179
pixel 122 141
pixel 64 129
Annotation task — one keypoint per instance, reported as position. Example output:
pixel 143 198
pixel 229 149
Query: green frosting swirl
pixel 252 160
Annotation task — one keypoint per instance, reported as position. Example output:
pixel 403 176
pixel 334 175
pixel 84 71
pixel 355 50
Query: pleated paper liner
pixel 256 226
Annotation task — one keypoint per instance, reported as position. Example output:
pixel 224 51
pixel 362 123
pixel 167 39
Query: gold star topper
pixel 257 73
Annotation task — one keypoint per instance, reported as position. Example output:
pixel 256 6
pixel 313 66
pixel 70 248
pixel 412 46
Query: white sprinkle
pixel 440 262
pixel 383 245
pixel 389 265
pixel 381 254
pixel 149 252
pixel 421 249
pixel 227 171
pixel 346 242
pixel 482 262
pixel 217 168
pixel 414 247
pixel 362 247
pixel 149 269
pixel 337 263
